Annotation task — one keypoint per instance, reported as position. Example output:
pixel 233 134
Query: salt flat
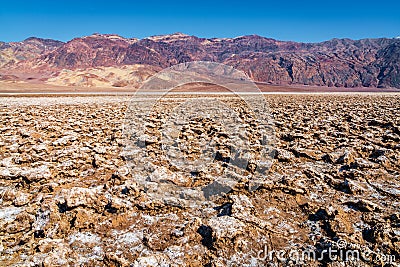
pixel 68 197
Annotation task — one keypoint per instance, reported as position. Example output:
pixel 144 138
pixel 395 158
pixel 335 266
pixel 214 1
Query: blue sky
pixel 305 21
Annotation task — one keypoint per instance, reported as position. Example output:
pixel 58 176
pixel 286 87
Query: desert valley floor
pixel 68 199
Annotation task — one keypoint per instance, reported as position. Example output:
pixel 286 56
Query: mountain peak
pixel 42 40
pixel 106 36
pixel 168 37
pixel 32 38
pixel 264 59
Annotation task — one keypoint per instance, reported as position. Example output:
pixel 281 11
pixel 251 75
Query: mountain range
pixel 112 60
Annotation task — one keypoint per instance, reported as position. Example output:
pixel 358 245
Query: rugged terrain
pixel 68 199
pixel 95 60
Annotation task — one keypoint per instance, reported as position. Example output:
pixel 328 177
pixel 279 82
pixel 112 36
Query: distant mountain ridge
pixel 334 63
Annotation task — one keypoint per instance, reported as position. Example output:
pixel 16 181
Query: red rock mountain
pixel 337 63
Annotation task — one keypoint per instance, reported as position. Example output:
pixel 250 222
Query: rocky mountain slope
pixel 124 76
pixel 14 52
pixel 334 63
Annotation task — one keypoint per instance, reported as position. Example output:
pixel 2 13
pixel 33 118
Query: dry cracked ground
pixel 68 199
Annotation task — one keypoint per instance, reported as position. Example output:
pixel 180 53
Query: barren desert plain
pixel 68 197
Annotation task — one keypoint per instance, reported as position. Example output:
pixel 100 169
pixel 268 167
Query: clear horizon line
pixel 192 35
